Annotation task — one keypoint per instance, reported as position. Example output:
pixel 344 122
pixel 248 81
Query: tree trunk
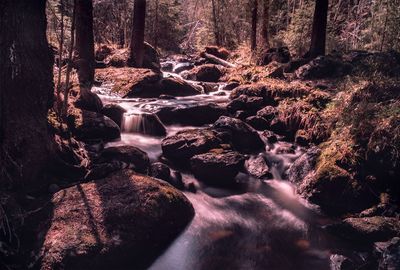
pixel 137 41
pixel 155 29
pixel 216 27
pixel 85 41
pixel 265 24
pixel 318 35
pixel 26 92
pixel 254 19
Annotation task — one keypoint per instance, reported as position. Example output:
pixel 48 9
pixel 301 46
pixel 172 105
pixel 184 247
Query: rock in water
pixel 114 112
pixel 367 230
pixel 128 154
pixel 217 167
pixel 243 136
pixel 188 143
pixel 92 126
pixel 121 222
pixel 257 167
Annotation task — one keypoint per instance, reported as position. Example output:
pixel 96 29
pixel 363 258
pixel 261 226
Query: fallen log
pixel 216 60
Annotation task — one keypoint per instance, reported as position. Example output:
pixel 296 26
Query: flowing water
pixel 258 225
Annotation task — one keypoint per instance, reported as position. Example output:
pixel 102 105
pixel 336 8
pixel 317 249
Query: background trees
pixel 138 28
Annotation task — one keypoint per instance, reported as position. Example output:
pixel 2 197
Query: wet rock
pixel 145 123
pixel 257 122
pixel 219 52
pixel 366 230
pixel 237 104
pixel 160 171
pixel 258 168
pixel 230 86
pixel 304 165
pixel 340 262
pixel 91 126
pixel 188 143
pixel 99 225
pixel 323 67
pixel 280 55
pixel 192 187
pixel 388 254
pixel 243 136
pixel 242 115
pixel 209 87
pixel 286 149
pixel 270 136
pixel 53 188
pixel 204 73
pixel 177 180
pixel 197 115
pixel 177 87
pixel 167 66
pixel 89 101
pixel 217 167
pixel 166 97
pixel 128 154
pixel 182 67
pixel 115 112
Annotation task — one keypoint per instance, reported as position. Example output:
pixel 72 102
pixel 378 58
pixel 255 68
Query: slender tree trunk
pixel 60 51
pixel 254 19
pixel 318 35
pixel 70 64
pixel 216 26
pixel 85 41
pixel 265 24
pixel 155 30
pixel 137 40
pixel 26 92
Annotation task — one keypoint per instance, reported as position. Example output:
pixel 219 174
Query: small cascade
pixel 144 123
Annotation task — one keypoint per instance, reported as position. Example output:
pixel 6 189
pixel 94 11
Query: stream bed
pixel 261 224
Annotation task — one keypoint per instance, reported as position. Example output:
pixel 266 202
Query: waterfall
pixel 144 123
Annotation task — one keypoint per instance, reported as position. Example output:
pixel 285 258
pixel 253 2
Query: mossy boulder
pixel 120 222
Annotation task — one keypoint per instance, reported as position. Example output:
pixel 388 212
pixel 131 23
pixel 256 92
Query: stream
pixel 262 224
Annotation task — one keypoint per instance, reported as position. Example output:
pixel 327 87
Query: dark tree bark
pixel 85 41
pixel 215 22
pixel 265 24
pixel 254 19
pixel 26 92
pixel 318 35
pixel 137 41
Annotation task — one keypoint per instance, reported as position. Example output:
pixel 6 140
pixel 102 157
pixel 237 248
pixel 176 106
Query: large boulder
pixel 367 229
pixel 91 126
pixel 115 112
pixel 128 154
pixel 196 115
pixel 304 165
pixel 217 167
pixel 151 57
pixel 127 82
pixel 121 222
pixel 205 73
pixel 145 83
pixel 243 136
pixel 87 100
pixel 188 143
pixel 177 87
